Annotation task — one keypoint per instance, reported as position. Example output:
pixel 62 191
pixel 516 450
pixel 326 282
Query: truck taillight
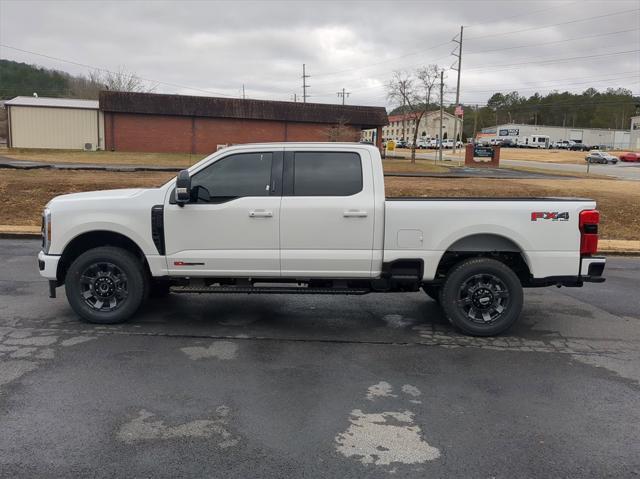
pixel 589 220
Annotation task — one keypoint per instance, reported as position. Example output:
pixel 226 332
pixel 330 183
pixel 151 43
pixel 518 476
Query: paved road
pixel 623 171
pixel 297 386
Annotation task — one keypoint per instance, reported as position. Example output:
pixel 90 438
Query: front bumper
pixel 48 265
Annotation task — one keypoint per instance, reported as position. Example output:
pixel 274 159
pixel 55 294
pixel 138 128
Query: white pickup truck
pixel 311 218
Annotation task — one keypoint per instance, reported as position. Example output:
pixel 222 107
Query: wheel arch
pixel 490 245
pixel 94 239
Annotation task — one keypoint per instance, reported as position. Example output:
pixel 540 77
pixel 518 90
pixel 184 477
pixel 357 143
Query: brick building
pixel 190 124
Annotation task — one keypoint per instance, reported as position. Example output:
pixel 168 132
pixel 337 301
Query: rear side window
pixel 327 174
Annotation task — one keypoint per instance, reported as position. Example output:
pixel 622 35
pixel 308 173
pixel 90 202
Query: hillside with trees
pixel 22 79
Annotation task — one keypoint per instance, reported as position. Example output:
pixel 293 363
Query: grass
pixel 23 194
pixel 106 157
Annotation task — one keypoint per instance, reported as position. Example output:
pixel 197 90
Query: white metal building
pixel 56 123
pixel 634 142
pixel 610 139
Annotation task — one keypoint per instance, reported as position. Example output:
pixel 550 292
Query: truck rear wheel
pixel 482 297
pixel 432 291
pixel 105 285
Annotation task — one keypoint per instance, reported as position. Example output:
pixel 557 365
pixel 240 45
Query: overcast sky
pixel 215 47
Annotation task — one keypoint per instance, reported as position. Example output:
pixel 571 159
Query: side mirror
pixel 183 187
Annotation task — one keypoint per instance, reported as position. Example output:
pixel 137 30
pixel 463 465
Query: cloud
pixel 220 46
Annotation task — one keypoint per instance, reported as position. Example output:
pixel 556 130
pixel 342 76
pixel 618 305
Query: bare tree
pixel 341 131
pixel 89 87
pixel 122 80
pixel 415 93
pixel 86 87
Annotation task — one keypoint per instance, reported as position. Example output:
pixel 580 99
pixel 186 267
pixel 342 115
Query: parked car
pixel 596 156
pixel 580 147
pixel 422 143
pixel 401 144
pixel 630 157
pixel 564 144
pixel 434 143
pixel 507 143
pixel 215 228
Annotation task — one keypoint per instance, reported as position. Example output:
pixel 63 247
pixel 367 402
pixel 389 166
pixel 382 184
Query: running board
pixel 265 290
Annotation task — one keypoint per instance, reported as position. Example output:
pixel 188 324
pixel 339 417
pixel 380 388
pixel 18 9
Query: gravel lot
pixel 301 386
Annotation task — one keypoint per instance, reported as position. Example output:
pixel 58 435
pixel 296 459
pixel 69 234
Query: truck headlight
pixel 46 230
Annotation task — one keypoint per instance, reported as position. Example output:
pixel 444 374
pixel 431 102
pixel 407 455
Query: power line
pixel 433 47
pixel 555 60
pixel 520 15
pixel 555 24
pixel 85 65
pixel 553 42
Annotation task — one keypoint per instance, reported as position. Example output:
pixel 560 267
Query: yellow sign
pixel 391 145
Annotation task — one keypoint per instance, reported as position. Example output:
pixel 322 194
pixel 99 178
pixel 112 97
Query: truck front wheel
pixel 105 285
pixel 482 297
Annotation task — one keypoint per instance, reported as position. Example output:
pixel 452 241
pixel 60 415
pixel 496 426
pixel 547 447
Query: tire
pixel 159 289
pixel 432 291
pixel 482 297
pixel 106 285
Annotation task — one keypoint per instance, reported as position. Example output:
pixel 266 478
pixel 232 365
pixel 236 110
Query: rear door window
pixel 327 174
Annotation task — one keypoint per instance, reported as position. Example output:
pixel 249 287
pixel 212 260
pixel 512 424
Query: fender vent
pixel 157 227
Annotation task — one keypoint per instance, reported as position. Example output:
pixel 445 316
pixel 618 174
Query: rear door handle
pixel 355 214
pixel 260 214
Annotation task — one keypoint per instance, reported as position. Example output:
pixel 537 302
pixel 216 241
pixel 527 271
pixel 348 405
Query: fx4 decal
pixel 549 215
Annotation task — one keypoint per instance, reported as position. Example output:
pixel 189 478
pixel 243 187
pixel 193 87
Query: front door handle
pixel 260 214
pixel 355 214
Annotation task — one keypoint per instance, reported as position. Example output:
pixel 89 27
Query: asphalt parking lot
pixel 310 386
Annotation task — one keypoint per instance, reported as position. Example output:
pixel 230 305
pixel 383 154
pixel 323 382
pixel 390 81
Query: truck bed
pixel 544 230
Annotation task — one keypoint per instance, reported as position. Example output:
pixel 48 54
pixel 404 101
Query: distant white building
pixel 519 133
pixel 403 127
pixel 57 123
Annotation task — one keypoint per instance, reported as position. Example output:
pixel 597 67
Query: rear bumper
pixel 591 270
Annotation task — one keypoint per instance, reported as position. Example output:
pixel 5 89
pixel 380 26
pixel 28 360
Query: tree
pixel 121 80
pixel 413 92
pixel 341 131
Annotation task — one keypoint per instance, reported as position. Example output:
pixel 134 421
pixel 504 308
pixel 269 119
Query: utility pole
pixel 475 122
pixel 343 94
pixel 295 98
pixel 455 122
pixel 304 83
pixel 243 96
pixel 441 112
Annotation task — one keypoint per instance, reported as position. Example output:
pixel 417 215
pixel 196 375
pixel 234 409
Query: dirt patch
pixel 23 194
